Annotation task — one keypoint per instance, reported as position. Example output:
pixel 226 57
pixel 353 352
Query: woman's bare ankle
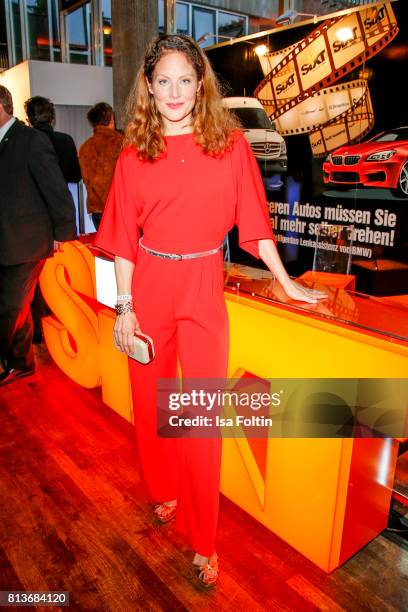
pixel 201 560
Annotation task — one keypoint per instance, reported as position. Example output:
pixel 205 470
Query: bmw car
pixel 379 162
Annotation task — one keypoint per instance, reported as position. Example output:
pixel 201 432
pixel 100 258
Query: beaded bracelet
pixel 124 308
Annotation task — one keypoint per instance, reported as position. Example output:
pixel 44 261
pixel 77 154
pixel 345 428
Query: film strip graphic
pixel 270 60
pixel 321 59
pixel 350 126
pixel 299 80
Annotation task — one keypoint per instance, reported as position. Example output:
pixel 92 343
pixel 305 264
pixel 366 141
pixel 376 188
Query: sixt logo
pixel 357 102
pixel 377 15
pixel 319 59
pixel 284 86
pixel 338 45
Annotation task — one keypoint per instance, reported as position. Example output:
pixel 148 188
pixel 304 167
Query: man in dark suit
pixel 36 215
pixel 41 116
pixel 40 113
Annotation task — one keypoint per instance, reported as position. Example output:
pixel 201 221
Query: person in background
pixel 97 157
pixel 37 214
pixel 41 116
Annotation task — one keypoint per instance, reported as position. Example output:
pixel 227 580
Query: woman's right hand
pixel 125 327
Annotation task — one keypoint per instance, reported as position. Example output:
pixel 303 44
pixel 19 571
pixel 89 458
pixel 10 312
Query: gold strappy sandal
pixel 207 575
pixel 165 512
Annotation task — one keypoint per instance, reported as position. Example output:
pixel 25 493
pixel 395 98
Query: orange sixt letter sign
pixel 79 332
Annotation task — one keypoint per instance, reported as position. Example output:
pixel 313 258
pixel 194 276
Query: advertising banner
pixel 332 91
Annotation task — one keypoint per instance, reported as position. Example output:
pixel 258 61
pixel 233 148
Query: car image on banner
pixel 266 143
pixel 380 162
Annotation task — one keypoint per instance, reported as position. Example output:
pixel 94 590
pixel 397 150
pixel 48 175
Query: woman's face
pixel 174 87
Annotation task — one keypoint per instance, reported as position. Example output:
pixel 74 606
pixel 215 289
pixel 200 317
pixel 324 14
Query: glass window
pixel 204 26
pixel 392 136
pixel 54 34
pixel 16 25
pixel 182 18
pixel 230 26
pixel 107 32
pixel 38 30
pixel 4 64
pixel 203 20
pixel 79 35
pixel 253 118
pixel 161 16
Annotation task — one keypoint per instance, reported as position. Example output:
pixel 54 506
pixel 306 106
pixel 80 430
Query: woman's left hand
pixel 303 294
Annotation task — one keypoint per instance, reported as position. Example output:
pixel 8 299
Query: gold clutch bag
pixel 143 350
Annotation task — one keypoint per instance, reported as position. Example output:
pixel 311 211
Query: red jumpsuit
pixel 185 202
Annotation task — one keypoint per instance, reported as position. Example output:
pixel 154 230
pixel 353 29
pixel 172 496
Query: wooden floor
pixel 73 517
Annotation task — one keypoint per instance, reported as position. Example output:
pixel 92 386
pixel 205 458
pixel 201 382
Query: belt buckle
pixel 177 257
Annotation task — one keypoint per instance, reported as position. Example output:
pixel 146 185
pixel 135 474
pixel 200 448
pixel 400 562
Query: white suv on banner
pixel 267 144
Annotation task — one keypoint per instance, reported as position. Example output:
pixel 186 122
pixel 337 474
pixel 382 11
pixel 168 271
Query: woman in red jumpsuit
pixel 186 176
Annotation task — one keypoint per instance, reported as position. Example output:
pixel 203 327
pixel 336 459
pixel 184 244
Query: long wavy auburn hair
pixel 213 124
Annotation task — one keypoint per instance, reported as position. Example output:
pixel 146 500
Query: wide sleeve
pixel 118 232
pixel 251 214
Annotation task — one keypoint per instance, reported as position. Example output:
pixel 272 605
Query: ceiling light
pixel 261 50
